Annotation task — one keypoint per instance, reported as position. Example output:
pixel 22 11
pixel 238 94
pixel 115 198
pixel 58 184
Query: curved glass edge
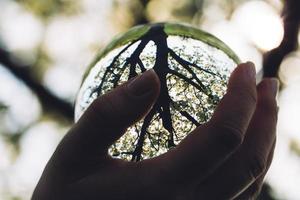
pixel 180 29
pixel 195 33
pixel 123 38
pixel 170 29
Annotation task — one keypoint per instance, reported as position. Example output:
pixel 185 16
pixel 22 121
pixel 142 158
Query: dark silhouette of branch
pixel 187 63
pixel 141 64
pixel 176 106
pixel 189 81
pixel 49 102
pixel 137 154
pixel 289 43
pixel 272 59
pixel 142 18
pixel 164 102
pixel 109 68
pixel 134 58
pixel 151 141
pixel 186 66
pixel 167 123
pixel 189 117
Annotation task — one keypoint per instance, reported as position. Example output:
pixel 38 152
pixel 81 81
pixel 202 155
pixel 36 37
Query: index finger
pixel 211 144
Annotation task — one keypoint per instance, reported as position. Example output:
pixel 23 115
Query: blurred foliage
pixel 49 8
pixel 127 12
pixel 14 140
pixel 121 15
pixel 42 62
pixel 295 147
pixel 3 107
pixel 230 5
pixel 189 9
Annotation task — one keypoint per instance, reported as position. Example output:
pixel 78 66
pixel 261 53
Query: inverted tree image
pixel 193 68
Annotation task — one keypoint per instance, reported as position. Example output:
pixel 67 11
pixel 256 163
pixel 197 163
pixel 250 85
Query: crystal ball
pixel 194 67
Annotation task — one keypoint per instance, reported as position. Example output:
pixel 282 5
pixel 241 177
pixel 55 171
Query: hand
pixel 226 158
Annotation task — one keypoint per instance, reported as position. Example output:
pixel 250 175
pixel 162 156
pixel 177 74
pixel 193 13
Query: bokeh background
pixel 45 46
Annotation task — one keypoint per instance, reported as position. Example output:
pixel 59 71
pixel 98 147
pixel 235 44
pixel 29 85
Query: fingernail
pixel 273 85
pixel 249 71
pixel 140 85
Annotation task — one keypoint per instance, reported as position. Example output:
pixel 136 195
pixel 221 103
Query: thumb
pixel 110 115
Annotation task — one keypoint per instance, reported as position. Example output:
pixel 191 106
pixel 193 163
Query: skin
pixel 226 158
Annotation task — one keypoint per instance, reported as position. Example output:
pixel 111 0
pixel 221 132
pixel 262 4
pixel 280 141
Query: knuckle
pixel 255 188
pixel 102 106
pixel 268 106
pixel 248 95
pixel 105 109
pixel 252 192
pixel 229 135
pixel 257 166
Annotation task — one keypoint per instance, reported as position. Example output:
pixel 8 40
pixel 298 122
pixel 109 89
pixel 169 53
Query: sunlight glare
pixel 260 23
pixel 289 70
pixel 23 105
pixel 20 30
pixel 228 32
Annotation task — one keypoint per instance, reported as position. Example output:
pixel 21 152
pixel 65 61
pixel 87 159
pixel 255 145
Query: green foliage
pixel 295 147
pixel 189 9
pixel 49 8
pixel 2 107
pixel 14 140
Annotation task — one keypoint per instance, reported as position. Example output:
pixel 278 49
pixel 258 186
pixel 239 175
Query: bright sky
pixel 72 42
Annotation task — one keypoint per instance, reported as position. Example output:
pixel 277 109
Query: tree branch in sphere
pixel 109 68
pixel 162 69
pixel 142 66
pixel 137 154
pixel 185 114
pixel 185 64
pixel 189 81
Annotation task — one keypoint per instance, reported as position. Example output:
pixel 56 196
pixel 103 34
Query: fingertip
pixel 267 91
pixel 132 99
pixel 108 116
pixel 245 72
pixel 269 86
pixel 250 63
pixel 147 82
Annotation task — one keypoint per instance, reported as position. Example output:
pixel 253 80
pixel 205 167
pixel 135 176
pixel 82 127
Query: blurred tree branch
pixel 49 102
pixel 291 20
pixel 273 58
pixel 142 19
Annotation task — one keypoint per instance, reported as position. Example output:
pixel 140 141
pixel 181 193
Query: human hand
pixel 226 158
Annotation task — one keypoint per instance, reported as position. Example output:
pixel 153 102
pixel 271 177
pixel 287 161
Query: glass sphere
pixel 193 66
